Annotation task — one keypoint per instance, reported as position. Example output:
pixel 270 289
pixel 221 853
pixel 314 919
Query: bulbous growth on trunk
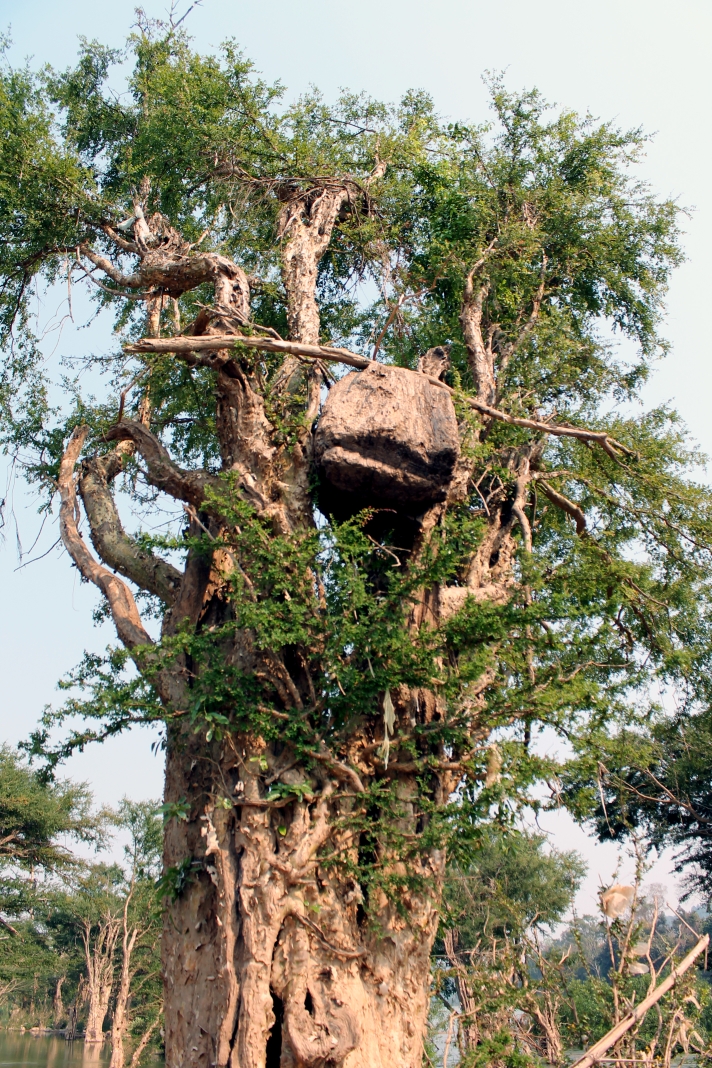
pixel 386 437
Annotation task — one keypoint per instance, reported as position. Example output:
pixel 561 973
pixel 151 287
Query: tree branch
pixel 186 346
pixel 129 281
pixel 342 771
pixel 114 546
pixel 481 358
pixel 128 623
pixel 509 349
pixel 162 473
pixel 564 504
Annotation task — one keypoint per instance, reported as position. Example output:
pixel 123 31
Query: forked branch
pixel 596 1052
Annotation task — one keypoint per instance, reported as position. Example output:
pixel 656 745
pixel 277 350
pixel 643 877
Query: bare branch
pixel 565 504
pixel 342 771
pixel 114 546
pixel 186 346
pixel 122 242
pixel 128 623
pixel 595 1053
pixel 129 281
pixel 162 473
pixel 481 356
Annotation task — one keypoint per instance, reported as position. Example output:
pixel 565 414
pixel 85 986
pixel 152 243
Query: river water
pixel 53 1051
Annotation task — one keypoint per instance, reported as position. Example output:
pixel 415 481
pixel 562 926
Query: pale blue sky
pixel 640 62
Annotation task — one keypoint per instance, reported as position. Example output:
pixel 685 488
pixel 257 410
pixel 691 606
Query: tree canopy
pixel 347 695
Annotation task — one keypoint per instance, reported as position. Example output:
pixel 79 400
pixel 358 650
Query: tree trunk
pixel 99 957
pixel 120 1017
pixel 57 1003
pixel 270 952
pixel 98 1008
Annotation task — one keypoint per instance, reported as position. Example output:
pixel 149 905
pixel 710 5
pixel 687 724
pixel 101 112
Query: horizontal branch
pixel 184 346
pixel 128 623
pixel 129 281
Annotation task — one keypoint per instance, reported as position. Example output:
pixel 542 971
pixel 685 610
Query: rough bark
pixel 268 957
pixel 114 546
pixel 267 949
pixel 99 950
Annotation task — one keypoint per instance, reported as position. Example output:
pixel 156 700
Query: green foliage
pixel 58 921
pixel 35 815
pixel 512 885
pixel 652 777
pixel 548 204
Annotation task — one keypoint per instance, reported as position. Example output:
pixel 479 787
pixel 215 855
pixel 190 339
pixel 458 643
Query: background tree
pixel 38 820
pixel 516 992
pixel 330 676
pixel 35 815
pixel 496 979
pixel 653 780
pixel 138 994
pixel 83 952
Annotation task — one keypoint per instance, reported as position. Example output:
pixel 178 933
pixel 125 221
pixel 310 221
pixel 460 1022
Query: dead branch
pixel 595 1054
pixel 185 346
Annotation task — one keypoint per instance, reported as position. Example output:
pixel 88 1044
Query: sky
pixel 638 62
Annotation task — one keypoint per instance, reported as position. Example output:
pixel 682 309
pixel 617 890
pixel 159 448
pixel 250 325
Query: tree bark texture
pixel 268 957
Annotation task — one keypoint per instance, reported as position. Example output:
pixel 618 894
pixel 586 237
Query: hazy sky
pixel 640 62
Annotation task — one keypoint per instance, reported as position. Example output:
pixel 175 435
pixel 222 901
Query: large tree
pixel 477 538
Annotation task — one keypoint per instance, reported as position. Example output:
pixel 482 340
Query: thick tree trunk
pixel 270 955
pixel 98 1008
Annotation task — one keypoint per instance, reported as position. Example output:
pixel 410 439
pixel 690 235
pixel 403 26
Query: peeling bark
pixel 269 955
pixel 264 926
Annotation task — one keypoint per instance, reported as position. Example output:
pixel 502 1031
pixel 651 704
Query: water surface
pixel 53 1051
